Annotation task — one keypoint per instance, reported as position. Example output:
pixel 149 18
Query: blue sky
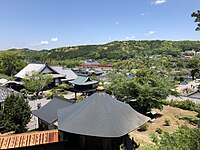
pixel 46 24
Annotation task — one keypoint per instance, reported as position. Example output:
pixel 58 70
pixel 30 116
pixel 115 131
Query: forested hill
pixel 113 50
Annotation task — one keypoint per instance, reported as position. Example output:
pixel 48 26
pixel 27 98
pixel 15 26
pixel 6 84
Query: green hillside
pixel 113 50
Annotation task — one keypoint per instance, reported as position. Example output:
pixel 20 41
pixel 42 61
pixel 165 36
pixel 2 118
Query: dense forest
pixel 114 50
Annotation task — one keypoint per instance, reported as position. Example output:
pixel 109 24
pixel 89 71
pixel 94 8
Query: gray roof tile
pixel 100 115
pixel 48 112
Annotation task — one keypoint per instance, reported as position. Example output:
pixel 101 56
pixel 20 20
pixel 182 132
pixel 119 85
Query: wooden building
pixel 98 122
pixel 58 73
pixel 47 115
pixel 83 84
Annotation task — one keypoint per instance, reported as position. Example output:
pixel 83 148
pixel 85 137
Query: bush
pixel 63 87
pixel 80 98
pixel 144 127
pixel 167 123
pixel 198 115
pixel 159 130
pixel 187 104
pixel 23 91
pixel 49 95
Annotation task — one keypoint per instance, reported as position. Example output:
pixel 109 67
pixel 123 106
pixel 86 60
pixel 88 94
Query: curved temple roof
pixel 100 115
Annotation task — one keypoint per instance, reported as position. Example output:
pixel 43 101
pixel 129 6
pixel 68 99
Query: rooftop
pixel 82 80
pixel 48 112
pixel 100 115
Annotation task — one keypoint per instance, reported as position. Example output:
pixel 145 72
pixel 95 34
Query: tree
pixel 10 62
pixel 193 63
pixel 16 114
pixel 194 73
pixel 197 19
pixel 149 87
pixel 184 138
pixel 35 82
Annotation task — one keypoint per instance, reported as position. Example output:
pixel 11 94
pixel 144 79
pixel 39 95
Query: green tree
pixel 193 63
pixel 197 19
pixel 182 139
pixel 35 82
pixel 149 87
pixel 16 114
pixel 10 62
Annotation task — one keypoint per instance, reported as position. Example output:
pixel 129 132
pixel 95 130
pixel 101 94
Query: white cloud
pixel 150 33
pixel 116 22
pixel 55 39
pixel 158 2
pixel 44 43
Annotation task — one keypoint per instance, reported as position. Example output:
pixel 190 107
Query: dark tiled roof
pixel 48 112
pixel 100 115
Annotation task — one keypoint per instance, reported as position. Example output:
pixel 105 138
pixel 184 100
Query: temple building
pixel 98 122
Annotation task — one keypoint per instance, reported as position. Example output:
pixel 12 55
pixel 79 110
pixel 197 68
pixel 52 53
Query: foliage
pixel 80 98
pixel 187 104
pixel 193 63
pixel 63 86
pixel 148 87
pixel 117 50
pixel 23 91
pixel 159 130
pixel 192 120
pixel 49 95
pixel 197 19
pixel 198 115
pixel 10 62
pixel 194 73
pixel 35 82
pixel 184 138
pixel 144 127
pixel 16 114
pixel 166 123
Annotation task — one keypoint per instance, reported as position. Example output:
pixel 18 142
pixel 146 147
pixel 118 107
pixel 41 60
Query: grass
pixel 172 114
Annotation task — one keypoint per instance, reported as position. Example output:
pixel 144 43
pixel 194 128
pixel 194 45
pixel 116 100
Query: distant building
pixel 83 84
pixel 59 74
pixel 93 64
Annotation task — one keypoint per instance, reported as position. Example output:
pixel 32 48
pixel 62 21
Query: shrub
pixel 144 127
pixel 63 87
pixel 49 95
pixel 80 98
pixel 159 130
pixel 167 123
pixel 23 91
pixel 198 115
pixel 187 105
